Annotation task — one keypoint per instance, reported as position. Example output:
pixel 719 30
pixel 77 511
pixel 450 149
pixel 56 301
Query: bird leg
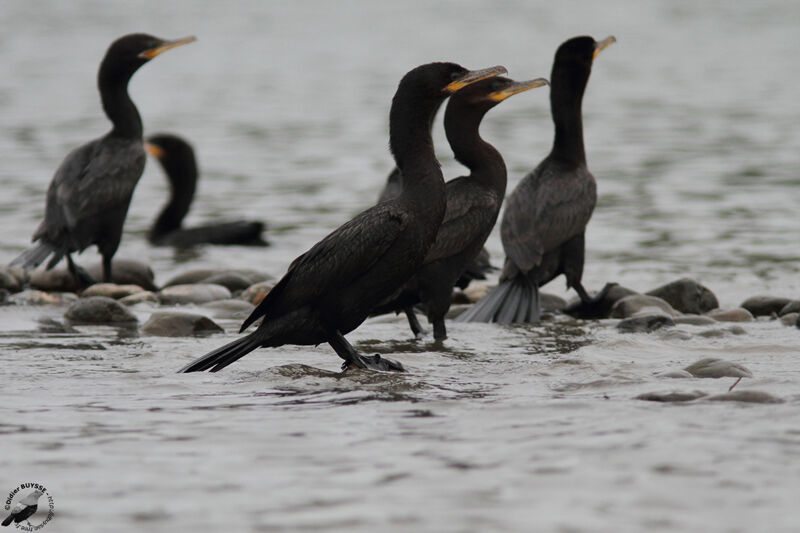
pixel 413 322
pixel 439 329
pixel 81 276
pixel 351 357
pixel 107 269
pixel 589 306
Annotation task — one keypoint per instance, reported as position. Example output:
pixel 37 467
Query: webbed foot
pixel 374 362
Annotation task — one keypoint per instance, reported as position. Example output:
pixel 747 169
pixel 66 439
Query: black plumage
pixel 331 289
pixel 473 203
pixel 545 219
pixel 24 509
pixel 178 160
pixel 88 198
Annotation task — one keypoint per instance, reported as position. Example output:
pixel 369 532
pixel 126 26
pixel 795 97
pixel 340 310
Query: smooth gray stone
pixel 731 315
pixel 257 292
pixel 140 297
pixel 34 297
pixel 748 396
pixel 201 275
pixel 645 323
pixel 57 279
pixel 671 397
pixel 722 332
pixel 674 374
pixel 695 320
pixel 765 305
pixel 552 302
pixel 791 307
pixel 111 290
pixel 636 303
pixel 789 319
pixel 230 280
pixel 199 293
pixel 712 367
pixel 687 296
pixel 99 310
pixel 9 281
pixel 179 324
pixel 233 308
pixel 127 272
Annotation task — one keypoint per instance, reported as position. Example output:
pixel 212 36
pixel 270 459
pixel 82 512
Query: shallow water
pixel 690 123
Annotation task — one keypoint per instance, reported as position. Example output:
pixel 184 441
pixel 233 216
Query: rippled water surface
pixel 691 124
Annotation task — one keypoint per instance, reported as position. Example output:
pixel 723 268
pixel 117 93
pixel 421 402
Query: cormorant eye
pixel 455 75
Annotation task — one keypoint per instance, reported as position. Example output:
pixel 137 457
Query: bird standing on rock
pixel 543 226
pixel 332 288
pixel 88 198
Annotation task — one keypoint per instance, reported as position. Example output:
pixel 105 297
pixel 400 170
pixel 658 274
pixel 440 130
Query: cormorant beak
pixel 474 75
pixel 155 151
pixel 166 45
pixel 602 45
pixel 517 87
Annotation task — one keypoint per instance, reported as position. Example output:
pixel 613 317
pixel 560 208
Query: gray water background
pixel 691 125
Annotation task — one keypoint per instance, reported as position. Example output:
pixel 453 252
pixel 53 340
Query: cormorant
pixel 543 226
pixel 178 160
pixel 24 509
pixel 331 289
pixel 473 203
pixel 88 198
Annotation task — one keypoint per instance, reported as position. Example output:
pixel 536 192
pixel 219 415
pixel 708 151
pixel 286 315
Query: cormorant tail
pixel 8 520
pixel 33 256
pixel 223 356
pixel 512 301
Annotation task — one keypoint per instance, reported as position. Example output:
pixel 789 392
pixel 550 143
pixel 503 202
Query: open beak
pixel 474 75
pixel 166 45
pixel 155 151
pixel 517 87
pixel 602 45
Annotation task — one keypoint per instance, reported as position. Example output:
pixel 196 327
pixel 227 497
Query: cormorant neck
pixel 485 163
pixel 119 108
pixel 566 95
pixel 411 142
pixel 182 189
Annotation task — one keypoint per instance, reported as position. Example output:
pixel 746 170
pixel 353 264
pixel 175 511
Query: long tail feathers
pixel 8 520
pixel 33 256
pixel 223 356
pixel 512 301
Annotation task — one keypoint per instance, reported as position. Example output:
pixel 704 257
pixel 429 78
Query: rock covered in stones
pixel 687 296
pixel 610 295
pixel 791 307
pixel 695 320
pixel 638 303
pixel 748 396
pixel 233 308
pixel 127 272
pixel 645 323
pixel 198 293
pixel 99 310
pixel 179 324
pixel 731 315
pixel 139 297
pixel 765 305
pixel 111 290
pixel 671 397
pixel 712 367
pixel 9 281
pixel 256 292
pixel 34 297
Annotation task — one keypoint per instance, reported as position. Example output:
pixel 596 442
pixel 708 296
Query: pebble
pixel 790 319
pixel 712 367
pixel 695 320
pixel 717 333
pixel 179 324
pixel 9 281
pixel 201 275
pixel 233 308
pixel 765 305
pixel 749 396
pixel 671 397
pixel 35 297
pixel 791 307
pixel 111 290
pixel 99 310
pixel 139 297
pixel 674 374
pixel 230 280
pixel 738 314
pixel 127 272
pixel 256 292
pixel 53 280
pixel 687 296
pixel 636 303
pixel 645 323
pixel 199 293
pixel 552 302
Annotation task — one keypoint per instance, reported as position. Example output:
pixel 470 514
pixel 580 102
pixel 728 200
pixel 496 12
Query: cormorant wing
pixel 336 261
pixel 549 206
pixel 466 218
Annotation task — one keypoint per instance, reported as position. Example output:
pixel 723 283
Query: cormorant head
pixel 439 80
pixel 129 52
pixel 487 93
pixel 176 156
pixel 581 51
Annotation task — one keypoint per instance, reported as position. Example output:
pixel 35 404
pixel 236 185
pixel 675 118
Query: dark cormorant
pixel 24 509
pixel 88 198
pixel 473 203
pixel 331 289
pixel 543 226
pixel 177 158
